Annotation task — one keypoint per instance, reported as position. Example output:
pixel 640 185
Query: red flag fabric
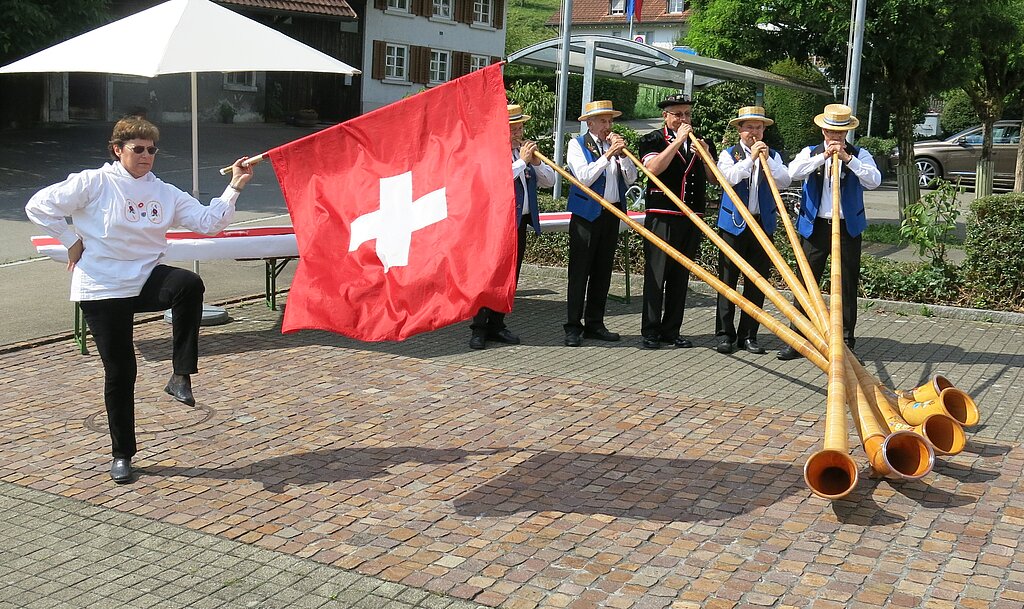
pixel 404 216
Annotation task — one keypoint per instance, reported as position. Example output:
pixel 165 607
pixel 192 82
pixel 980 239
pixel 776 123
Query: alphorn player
pixel 596 160
pixel 858 173
pixel 527 174
pixel 741 167
pixel 666 153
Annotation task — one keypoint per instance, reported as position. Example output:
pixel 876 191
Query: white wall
pixel 405 28
pixel 661 36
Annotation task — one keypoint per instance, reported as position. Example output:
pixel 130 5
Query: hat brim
pixel 850 126
pixel 612 113
pixel 767 121
pixel 522 119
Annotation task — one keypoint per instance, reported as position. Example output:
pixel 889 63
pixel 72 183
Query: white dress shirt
pixel 123 222
pixel 737 171
pixel 545 175
pixel 588 173
pixel 863 166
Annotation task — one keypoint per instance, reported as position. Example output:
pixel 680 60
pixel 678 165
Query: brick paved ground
pixel 325 472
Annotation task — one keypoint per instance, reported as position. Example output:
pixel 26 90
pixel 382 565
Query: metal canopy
pixel 637 62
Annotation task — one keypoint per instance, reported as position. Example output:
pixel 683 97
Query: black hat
pixel 676 99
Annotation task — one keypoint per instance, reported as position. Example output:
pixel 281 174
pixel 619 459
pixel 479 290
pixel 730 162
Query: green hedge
pixel 622 94
pixel 994 250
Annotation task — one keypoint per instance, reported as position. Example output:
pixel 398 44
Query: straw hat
pixel 837 117
pixel 598 108
pixel 751 113
pixel 676 99
pixel 515 114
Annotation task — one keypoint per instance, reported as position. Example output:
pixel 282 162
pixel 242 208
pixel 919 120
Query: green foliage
pixel 621 93
pixel 957 112
pixel 883 233
pixel 794 111
pixel 881 149
pixel 539 102
pixel 525 24
pixel 909 282
pixel 929 223
pixel 994 248
pixel 647 100
pixel 715 106
pixel 27 27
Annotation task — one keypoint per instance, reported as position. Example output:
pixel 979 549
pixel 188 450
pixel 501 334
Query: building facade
pixel 662 23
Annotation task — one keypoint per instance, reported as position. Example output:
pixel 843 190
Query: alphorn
pixel 904 458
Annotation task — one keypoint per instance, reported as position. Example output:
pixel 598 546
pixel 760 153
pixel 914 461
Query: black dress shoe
pixel 121 470
pixel 725 345
pixel 180 388
pixel 477 342
pixel 601 333
pixel 504 336
pixel 651 343
pixel 788 353
pixel 750 344
pixel 572 339
pixel 681 343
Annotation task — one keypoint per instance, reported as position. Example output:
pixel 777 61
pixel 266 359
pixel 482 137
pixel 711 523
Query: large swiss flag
pixel 404 216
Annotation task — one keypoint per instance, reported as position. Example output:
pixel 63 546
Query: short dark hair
pixel 130 128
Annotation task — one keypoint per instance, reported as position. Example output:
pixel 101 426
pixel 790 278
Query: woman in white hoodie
pixel 121 213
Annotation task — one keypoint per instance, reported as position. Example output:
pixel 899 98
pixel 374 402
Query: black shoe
pixel 477 342
pixel 724 346
pixel 651 343
pixel 504 336
pixel 788 353
pixel 180 388
pixel 681 343
pixel 121 470
pixel 601 333
pixel 572 339
pixel 750 344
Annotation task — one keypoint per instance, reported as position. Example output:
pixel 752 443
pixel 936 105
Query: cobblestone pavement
pixel 324 472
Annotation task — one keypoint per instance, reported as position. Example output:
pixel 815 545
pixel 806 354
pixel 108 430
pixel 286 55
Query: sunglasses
pixel 140 149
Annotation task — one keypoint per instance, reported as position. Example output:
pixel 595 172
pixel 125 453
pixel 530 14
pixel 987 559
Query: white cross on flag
pixel 404 216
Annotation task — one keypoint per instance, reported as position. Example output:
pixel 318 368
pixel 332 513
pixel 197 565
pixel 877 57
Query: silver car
pixel 956 157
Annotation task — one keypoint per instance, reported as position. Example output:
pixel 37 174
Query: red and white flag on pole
pixel 404 216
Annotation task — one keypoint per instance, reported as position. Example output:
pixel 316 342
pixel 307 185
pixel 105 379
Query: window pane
pixel 482 12
pixel 443 9
pixel 395 62
pixel 618 7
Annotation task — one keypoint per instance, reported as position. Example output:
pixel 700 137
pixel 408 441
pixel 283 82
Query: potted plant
pixel 226 111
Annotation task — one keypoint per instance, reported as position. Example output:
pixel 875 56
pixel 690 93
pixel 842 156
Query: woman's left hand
pixel 240 174
pixel 75 254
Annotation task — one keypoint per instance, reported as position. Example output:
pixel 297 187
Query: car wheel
pixel 927 170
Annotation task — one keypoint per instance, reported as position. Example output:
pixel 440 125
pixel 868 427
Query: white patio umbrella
pixel 183 36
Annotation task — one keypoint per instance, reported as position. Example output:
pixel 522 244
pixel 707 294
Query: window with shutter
pixel 499 14
pixel 379 49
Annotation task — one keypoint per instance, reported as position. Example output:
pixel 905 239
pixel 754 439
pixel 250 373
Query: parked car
pixel 956 157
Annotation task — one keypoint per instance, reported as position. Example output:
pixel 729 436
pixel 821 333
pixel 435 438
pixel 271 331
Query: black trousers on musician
pixel 111 322
pixel 749 249
pixel 665 280
pixel 489 321
pixel 818 248
pixel 591 259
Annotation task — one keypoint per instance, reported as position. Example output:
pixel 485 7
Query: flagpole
pixel 563 91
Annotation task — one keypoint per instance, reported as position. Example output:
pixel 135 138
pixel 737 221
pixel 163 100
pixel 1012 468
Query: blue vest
pixel 730 220
pixel 581 204
pixel 851 198
pixel 530 195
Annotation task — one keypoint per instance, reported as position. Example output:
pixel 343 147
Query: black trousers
pixel 818 248
pixel 489 321
pixel 746 246
pixel 591 259
pixel 665 280
pixel 111 322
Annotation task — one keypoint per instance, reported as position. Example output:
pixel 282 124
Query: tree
pixel 30 26
pixel 913 49
pixel 996 70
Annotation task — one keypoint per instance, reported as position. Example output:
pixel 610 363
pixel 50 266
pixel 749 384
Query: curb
pixel 875 304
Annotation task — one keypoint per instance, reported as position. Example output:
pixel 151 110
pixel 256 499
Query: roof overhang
pixel 637 62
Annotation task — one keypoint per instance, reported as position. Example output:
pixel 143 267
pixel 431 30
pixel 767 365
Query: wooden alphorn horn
pixel 904 456
pixel 901 458
pixel 899 452
pixel 785 333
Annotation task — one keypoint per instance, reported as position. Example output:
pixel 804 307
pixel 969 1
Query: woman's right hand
pixel 75 254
